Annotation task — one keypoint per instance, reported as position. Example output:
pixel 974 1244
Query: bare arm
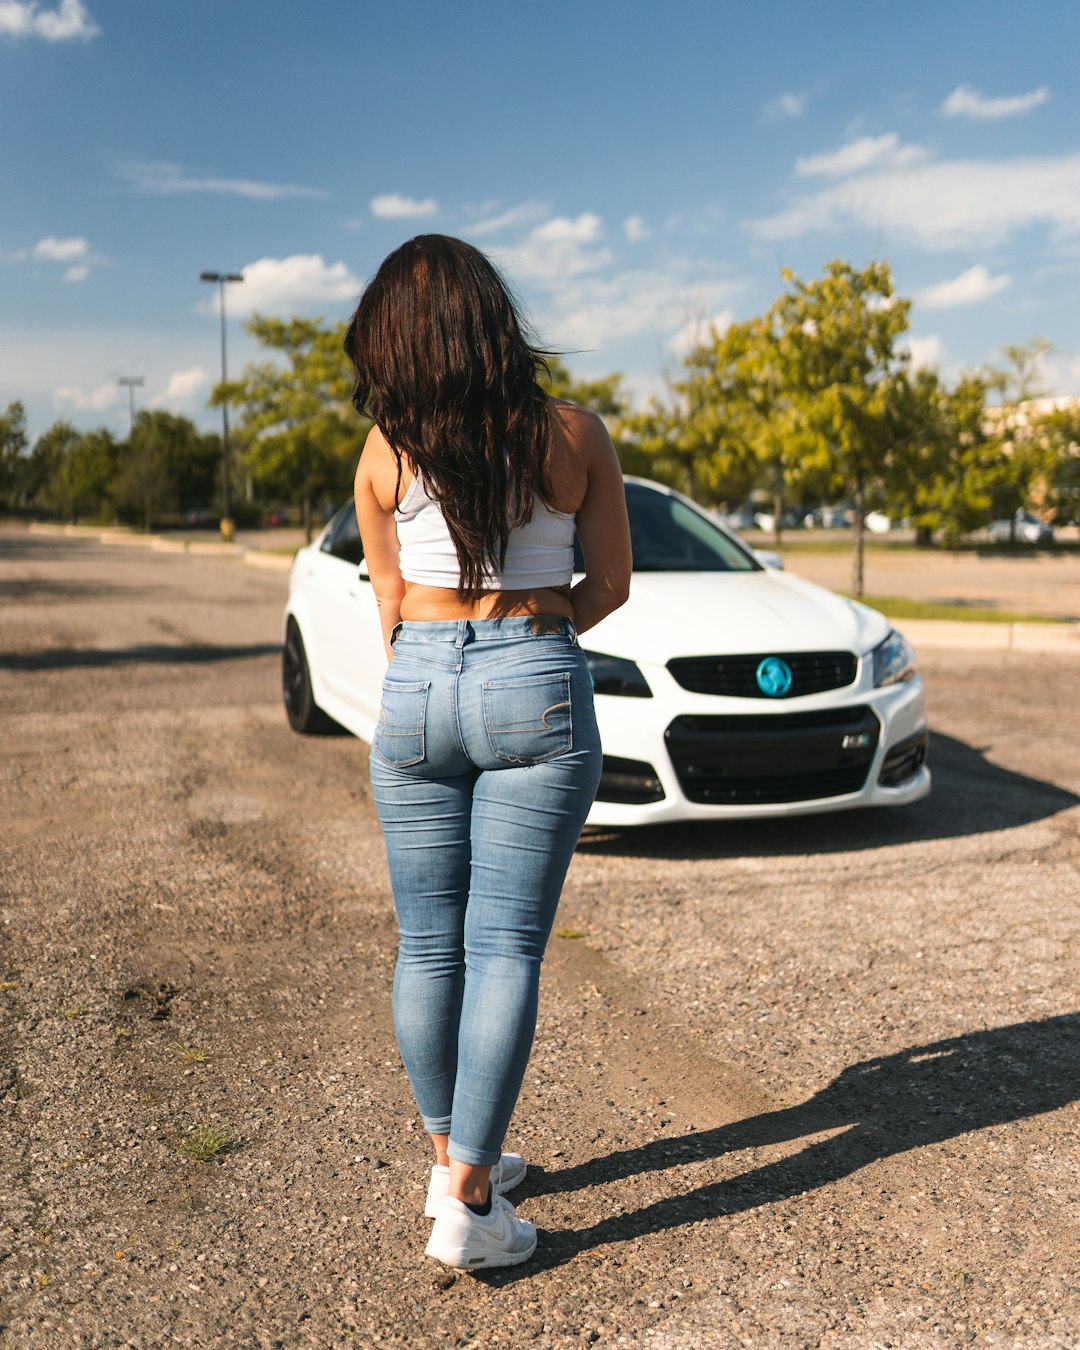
pixel 603 531
pixel 376 483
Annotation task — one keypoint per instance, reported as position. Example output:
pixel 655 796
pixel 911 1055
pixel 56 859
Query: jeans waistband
pixel 463 632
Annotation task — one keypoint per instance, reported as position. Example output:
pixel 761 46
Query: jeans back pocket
pixel 399 736
pixel 528 718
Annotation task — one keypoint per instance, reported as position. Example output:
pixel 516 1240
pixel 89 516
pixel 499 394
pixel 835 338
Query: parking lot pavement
pixel 811 1082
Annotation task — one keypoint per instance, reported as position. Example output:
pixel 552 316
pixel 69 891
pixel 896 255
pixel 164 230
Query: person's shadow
pixel 881 1107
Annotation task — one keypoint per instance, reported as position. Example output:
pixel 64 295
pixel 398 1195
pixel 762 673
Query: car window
pixel 342 540
pixel 669 536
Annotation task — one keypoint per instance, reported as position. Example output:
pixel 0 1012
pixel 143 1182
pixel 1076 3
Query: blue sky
pixel 637 169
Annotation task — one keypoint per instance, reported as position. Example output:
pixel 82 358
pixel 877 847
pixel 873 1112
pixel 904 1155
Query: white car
pixel 1024 528
pixel 723 689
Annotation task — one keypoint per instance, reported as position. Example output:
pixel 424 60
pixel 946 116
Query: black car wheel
pixel 304 714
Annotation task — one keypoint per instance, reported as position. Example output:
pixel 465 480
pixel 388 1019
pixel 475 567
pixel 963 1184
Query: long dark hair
pixel 444 369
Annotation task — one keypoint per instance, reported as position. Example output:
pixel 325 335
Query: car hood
pixel 715 613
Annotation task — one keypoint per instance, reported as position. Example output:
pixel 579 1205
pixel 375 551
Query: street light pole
pixel 129 382
pixel 227 527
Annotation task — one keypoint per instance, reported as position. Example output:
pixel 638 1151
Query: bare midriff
pixel 422 603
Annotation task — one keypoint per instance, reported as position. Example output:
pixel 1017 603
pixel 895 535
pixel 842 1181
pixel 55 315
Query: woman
pixel 486 757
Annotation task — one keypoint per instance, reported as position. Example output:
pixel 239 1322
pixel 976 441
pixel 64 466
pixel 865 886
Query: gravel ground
pixel 797 1084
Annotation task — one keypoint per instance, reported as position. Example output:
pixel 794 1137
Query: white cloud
pixel 926 352
pixel 96 399
pixel 955 204
pixel 967 102
pixel 161 179
pixel 787 105
pixel 393 206
pixel 636 230
pixel 60 250
pixel 49 250
pixel 26 18
pixel 300 284
pixel 969 288
pixel 560 248
pixel 183 389
pixel 183 383
pixel 516 215
pixel 698 330
pixel 600 313
pixel 867 152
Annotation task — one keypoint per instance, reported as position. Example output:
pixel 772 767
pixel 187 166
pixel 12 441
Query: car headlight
pixel 614 675
pixel 894 660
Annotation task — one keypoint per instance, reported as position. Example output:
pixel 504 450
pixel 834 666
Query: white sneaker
pixel 469 1241
pixel 507 1173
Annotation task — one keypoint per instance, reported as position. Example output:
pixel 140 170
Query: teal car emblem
pixel 774 677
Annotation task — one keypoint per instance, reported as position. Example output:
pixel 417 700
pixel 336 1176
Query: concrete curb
pixel 959 634
pixel 163 543
pixel 270 562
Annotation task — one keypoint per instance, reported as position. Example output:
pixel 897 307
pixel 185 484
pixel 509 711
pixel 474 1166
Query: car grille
pixel 736 676
pixel 762 759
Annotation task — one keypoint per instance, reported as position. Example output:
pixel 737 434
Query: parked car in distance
pixel 1024 528
pixel 723 689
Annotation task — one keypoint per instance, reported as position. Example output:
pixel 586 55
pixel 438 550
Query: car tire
pixel 304 714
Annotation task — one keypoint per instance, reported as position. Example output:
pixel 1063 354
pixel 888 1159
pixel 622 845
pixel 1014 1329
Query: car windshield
pixel 669 536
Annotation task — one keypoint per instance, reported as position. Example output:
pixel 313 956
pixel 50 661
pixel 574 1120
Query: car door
pixel 348 646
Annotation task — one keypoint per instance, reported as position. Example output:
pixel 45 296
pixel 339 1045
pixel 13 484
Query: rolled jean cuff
pixel 472 1157
pixel 436 1124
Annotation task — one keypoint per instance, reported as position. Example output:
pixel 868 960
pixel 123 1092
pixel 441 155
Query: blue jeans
pixel 484 764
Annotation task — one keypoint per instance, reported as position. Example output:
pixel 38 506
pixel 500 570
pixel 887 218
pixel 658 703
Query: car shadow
pixel 89 658
pixel 873 1110
pixel 970 795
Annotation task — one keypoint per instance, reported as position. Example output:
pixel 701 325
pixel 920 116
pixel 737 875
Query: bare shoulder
pixel 581 433
pixel 581 426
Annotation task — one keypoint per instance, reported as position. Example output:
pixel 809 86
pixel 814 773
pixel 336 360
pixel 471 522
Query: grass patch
pixel 792 541
pixel 190 1054
pixel 896 607
pixel 569 933
pixel 841 541
pixel 204 1142
pixel 80 1010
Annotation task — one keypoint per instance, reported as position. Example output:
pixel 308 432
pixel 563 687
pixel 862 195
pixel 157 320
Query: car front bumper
pixel 684 757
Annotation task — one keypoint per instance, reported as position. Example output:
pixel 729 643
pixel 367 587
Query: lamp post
pixel 129 382
pixel 227 527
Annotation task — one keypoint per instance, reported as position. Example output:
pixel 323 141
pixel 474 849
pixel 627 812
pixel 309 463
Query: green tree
pixel 1060 432
pixel 84 481
pixel 297 429
pixel 699 439
pixel 945 459
pixel 167 465
pixel 13 444
pixel 845 378
pixel 1025 463
pixel 42 474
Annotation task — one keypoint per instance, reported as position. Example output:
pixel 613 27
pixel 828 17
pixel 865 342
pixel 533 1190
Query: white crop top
pixel 540 553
